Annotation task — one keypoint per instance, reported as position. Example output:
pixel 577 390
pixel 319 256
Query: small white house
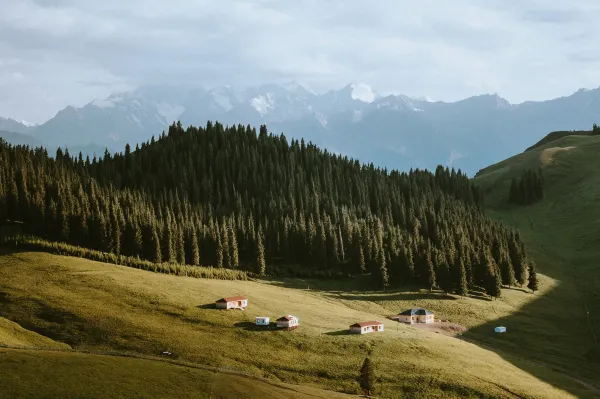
pixel 500 329
pixel 366 327
pixel 289 322
pixel 262 321
pixel 416 315
pixel 234 302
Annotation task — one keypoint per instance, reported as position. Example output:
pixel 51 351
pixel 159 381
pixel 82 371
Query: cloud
pixel 70 51
pixel 454 156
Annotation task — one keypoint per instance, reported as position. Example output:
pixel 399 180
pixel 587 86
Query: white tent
pixel 500 329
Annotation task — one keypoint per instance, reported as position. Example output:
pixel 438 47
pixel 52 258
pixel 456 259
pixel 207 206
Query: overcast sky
pixel 59 52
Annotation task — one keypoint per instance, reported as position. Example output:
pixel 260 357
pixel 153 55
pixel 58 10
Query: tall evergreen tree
pixel 533 282
pixel 260 254
pixel 367 377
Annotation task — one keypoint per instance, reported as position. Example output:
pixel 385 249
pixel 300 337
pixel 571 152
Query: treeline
pixel 528 189
pixel 232 198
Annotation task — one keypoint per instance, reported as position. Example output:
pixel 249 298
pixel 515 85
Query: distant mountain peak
pixel 294 85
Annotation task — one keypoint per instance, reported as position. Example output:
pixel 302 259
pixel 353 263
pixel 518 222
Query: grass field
pixel 100 307
pixel 562 235
pixel 550 349
pixel 102 376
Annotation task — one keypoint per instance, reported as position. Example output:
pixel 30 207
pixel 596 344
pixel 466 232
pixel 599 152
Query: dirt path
pixel 546 157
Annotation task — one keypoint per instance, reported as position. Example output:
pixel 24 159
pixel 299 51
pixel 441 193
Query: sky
pixel 55 53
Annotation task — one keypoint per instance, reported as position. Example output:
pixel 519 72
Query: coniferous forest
pixel 233 198
pixel 527 190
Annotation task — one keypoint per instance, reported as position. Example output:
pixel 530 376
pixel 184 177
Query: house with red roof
pixel 290 322
pixel 233 302
pixel 366 327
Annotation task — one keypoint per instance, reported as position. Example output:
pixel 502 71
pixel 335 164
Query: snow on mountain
pixel 170 112
pixel 362 92
pixel 262 103
pixel 25 123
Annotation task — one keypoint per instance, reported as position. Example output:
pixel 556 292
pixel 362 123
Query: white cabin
pixel 366 327
pixel 234 302
pixel 288 321
pixel 262 321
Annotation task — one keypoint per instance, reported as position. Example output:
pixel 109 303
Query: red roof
pixel 366 324
pixel 233 299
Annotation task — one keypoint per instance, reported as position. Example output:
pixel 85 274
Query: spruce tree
pixel 462 287
pixel 195 249
pixel 384 281
pixel 533 282
pixel 156 256
pixel 234 252
pixel 367 377
pixel 260 254
pixel 444 278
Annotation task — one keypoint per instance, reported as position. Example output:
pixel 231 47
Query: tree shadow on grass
pixel 397 296
pixel 340 332
pixel 250 326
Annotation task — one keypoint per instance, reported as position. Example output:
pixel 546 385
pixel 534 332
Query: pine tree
pixel 260 254
pixel 429 269
pixel 384 281
pixel 234 252
pixel 444 278
pixel 533 282
pixel 463 288
pixel 367 377
pixel 156 256
pixel 194 249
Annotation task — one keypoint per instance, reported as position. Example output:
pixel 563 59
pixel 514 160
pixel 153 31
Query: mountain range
pixel 393 131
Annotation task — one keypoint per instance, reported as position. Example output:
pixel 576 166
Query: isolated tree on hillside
pixel 533 280
pixel 367 377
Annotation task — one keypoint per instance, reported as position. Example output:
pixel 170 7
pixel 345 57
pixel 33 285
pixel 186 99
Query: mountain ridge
pixel 354 120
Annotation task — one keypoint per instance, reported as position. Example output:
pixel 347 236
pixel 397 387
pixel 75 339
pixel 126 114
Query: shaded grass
pixel 561 234
pixel 14 335
pixel 148 313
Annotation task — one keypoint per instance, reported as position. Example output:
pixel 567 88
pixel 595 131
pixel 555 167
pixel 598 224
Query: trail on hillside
pixel 547 156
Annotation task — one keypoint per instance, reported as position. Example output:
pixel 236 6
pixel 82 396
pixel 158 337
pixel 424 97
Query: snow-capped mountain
pixel 395 131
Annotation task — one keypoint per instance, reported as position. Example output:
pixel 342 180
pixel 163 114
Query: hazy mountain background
pixel 394 131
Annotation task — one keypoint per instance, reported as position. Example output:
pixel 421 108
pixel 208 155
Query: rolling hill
pixel 105 308
pixel 561 234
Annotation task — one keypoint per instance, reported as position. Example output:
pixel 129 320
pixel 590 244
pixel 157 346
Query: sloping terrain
pixel 12 334
pixel 561 234
pixel 60 374
pixel 102 307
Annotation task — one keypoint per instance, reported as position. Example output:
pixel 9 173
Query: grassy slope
pixel 98 307
pixel 561 233
pixel 12 334
pixel 98 376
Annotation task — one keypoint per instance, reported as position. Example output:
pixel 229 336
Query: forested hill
pixel 230 197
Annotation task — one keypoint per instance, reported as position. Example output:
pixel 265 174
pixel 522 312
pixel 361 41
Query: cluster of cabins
pixel 290 322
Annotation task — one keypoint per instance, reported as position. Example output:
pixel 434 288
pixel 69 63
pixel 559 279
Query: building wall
pixel 356 330
pixel 231 305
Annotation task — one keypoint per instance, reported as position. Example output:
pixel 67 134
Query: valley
pixel 61 315
pixel 104 308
